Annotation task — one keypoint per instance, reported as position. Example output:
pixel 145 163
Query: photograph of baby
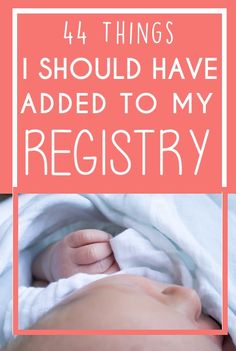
pixel 118 262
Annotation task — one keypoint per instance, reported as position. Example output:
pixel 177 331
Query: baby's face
pixel 135 302
pixel 131 302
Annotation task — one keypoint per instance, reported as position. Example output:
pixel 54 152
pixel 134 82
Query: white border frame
pixel 17 11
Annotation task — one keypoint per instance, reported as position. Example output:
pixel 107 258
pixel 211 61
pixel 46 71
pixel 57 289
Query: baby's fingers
pixel 97 267
pixel 91 253
pixel 113 268
pixel 86 237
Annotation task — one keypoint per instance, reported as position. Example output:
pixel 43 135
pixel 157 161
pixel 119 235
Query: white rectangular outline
pixel 16 11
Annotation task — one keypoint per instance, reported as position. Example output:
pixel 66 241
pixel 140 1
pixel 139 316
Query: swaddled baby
pixel 125 301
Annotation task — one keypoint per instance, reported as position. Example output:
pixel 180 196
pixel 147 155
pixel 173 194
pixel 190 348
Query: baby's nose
pixel 185 300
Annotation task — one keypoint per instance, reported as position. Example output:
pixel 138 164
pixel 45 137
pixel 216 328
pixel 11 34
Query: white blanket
pixel 170 238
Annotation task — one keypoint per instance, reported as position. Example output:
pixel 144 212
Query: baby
pixel 119 302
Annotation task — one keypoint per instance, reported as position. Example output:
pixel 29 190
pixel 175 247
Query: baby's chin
pixel 206 322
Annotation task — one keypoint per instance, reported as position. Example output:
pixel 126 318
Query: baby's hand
pixel 83 251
